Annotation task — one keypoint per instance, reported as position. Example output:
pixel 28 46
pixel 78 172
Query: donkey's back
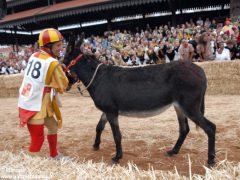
pixel 148 90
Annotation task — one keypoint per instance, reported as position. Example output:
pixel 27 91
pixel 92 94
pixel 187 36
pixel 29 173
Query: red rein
pixel 72 63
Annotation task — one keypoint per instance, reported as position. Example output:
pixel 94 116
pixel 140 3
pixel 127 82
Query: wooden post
pixel 109 24
pixel 172 5
pixel 181 13
pixel 3 8
pixel 235 10
pixel 15 37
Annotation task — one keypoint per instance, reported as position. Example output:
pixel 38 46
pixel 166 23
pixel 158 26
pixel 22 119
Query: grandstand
pixel 25 18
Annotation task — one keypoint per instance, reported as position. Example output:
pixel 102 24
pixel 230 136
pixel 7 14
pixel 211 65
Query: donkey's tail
pixel 202 106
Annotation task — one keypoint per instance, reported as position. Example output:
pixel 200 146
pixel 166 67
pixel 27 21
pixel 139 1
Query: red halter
pixel 72 63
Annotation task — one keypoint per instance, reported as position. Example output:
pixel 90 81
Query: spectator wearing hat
pixel 227 28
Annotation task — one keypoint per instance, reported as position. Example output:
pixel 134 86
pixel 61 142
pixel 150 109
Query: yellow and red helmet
pixel 49 35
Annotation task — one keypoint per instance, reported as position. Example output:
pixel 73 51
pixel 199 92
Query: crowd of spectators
pixel 203 40
pixel 14 62
pixel 193 41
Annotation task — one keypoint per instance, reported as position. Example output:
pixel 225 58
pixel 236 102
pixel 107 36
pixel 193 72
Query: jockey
pixel 38 101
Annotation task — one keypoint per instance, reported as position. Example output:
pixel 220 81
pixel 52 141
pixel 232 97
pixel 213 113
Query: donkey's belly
pixel 144 113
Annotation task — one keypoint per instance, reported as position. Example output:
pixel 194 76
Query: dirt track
pixel 144 140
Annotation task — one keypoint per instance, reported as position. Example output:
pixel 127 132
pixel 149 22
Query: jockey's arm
pixel 59 80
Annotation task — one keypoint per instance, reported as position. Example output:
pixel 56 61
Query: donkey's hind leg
pixel 100 127
pixel 209 128
pixel 183 131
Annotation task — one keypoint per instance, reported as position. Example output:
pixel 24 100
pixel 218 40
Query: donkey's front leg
pixel 100 127
pixel 113 120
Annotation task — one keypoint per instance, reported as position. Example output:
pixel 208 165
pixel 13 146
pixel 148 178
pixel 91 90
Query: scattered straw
pixel 190 167
pixel 23 166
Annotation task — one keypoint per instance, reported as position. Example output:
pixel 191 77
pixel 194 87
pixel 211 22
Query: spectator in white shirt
pixel 222 53
pixel 4 69
pixel 199 22
pixel 171 54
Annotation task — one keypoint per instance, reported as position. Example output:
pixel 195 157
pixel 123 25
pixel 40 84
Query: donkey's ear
pixel 80 40
pixel 72 40
pixel 78 44
pixel 71 44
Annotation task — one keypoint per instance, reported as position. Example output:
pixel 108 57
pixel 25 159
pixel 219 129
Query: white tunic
pixel 32 87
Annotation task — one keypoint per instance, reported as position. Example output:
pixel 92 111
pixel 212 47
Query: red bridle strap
pixel 73 62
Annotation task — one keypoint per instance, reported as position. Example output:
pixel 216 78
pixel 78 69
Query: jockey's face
pixel 56 48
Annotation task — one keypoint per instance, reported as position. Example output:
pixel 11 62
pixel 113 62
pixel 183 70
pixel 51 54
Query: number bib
pixel 31 90
pixel 36 69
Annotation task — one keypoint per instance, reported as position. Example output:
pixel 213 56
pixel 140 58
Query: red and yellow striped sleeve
pixel 58 81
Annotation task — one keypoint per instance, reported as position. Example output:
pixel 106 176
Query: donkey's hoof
pixel 211 163
pixel 95 148
pixel 170 153
pixel 115 161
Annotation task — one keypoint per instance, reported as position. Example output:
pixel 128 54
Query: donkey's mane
pixel 90 57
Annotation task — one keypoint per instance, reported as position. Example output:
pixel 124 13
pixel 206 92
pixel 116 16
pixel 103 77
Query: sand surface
pixel 144 140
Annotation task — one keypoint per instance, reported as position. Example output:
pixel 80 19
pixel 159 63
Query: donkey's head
pixel 73 50
pixel 79 55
